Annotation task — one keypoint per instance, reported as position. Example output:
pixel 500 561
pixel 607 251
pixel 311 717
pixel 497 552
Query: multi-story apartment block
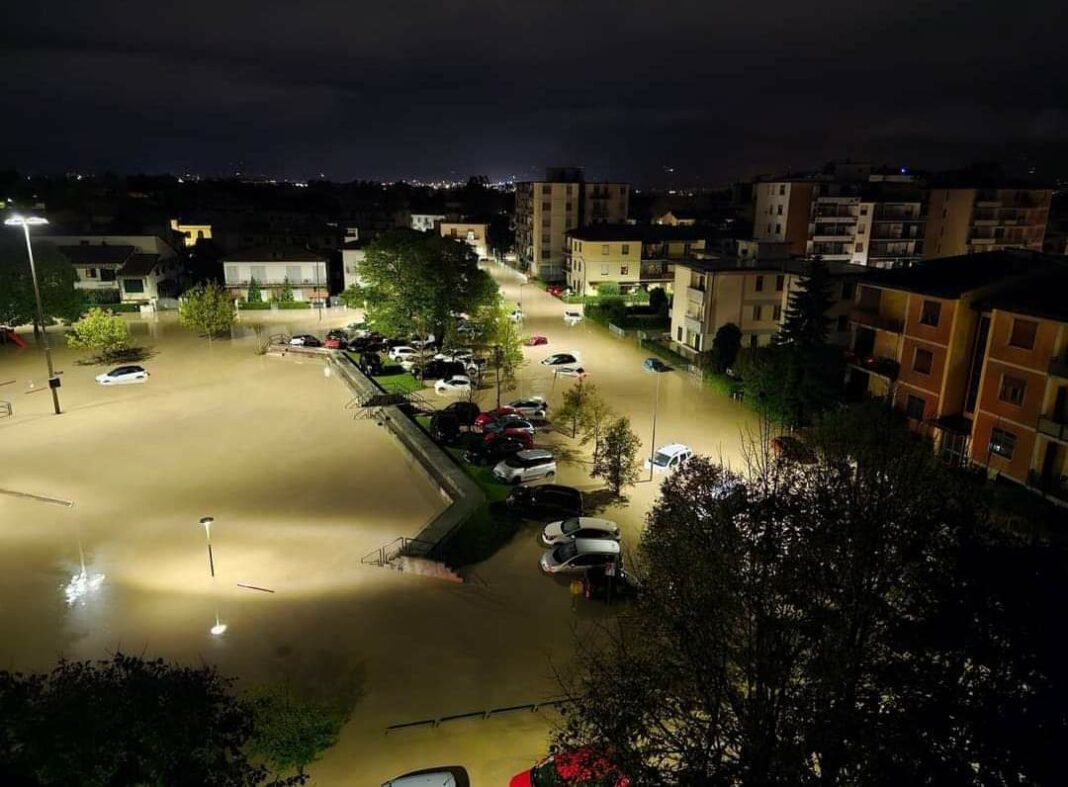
pixel 751 289
pixel 630 255
pixel 968 220
pixel 970 349
pixel 546 209
pixel 473 234
pixel 781 212
pixel 273 268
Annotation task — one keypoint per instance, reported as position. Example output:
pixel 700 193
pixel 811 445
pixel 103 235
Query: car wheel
pixel 550 474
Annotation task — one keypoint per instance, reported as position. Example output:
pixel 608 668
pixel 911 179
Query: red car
pixel 579 768
pixel 332 343
pixel 536 341
pixel 555 290
pixel 494 415
pixel 510 427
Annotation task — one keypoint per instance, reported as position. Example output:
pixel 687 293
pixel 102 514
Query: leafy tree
pixel 55 277
pixel 254 293
pixel 608 289
pixel 500 235
pixel 292 733
pixel 806 323
pixel 793 384
pixel 124 721
pixel 500 335
pixel 206 309
pixel 353 296
pixel 415 283
pixel 658 300
pixel 101 331
pixel 614 309
pixel 594 417
pixel 836 623
pixel 285 294
pixel 573 406
pixel 725 346
pixel 616 457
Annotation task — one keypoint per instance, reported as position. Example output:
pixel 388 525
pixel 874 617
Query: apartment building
pixel 877 222
pixel 120 268
pixel 631 255
pixel 956 344
pixel 473 234
pixel 191 232
pixel 273 268
pixel 353 253
pixel 546 209
pixel 970 220
pixel 750 288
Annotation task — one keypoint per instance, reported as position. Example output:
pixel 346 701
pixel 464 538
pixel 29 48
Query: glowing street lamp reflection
pixel 218 628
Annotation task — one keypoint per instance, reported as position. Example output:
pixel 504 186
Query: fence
pixel 616 331
pixel 533 707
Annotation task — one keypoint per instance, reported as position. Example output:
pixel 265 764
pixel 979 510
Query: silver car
pixel 579 527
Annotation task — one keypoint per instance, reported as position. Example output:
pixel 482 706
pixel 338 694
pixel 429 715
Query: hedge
pixel 293 305
pixel 254 305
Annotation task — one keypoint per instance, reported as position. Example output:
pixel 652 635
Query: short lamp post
pixel 207 522
pixel 26 222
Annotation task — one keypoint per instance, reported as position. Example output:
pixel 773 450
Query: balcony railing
pixel 1052 428
pixel 1058 367
pixel 878 365
pixel 873 319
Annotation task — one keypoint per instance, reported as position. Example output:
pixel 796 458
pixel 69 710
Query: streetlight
pixel 207 521
pixel 652 445
pixel 26 222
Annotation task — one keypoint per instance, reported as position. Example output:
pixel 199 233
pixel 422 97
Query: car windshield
pixel 565 552
pixel 662 459
pixel 569 526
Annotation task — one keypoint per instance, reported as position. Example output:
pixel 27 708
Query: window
pixel 1023 334
pixel 604 248
pixel 604 269
pixel 782 189
pixel 863 210
pixel 778 212
pixel 760 284
pixel 757 311
pixel 930 313
pixel 859 247
pixel 861 229
pixel 90 273
pixel 843 323
pixel 776 312
pixel 546 189
pixel 567 207
pixel 546 222
pixel 624 270
pixel 769 229
pixel 1002 443
pixel 922 360
pixel 546 239
pixel 1012 389
pixel 546 206
pixel 545 254
pixel 625 249
pixel 778 229
pixel 107 274
pixel 848 288
pixel 914 407
pixel 678 333
pixel 780 282
pixel 133 285
pixel 753 340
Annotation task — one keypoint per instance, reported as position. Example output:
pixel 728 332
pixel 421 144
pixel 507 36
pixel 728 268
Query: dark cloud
pixel 401 89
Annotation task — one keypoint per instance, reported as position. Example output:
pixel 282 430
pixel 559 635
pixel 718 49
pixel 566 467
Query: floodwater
pixel 299 492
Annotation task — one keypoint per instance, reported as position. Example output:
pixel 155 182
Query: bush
pixel 254 306
pixel 125 308
pixel 607 289
pixel 292 305
pixel 102 297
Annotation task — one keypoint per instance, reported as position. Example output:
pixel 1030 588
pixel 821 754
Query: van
pixel 526 466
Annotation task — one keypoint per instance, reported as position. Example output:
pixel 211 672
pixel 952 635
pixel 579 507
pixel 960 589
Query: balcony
pixel 1051 486
pixel 696 326
pixel 695 294
pixel 656 273
pixel 1058 367
pixel 874 364
pixel 1052 428
pixel 872 319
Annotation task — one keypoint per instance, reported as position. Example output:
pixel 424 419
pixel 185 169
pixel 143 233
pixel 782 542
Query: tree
pixel 608 289
pixel 593 417
pixel 353 297
pixel 833 623
pixel 285 294
pixel 500 333
pixel 806 321
pixel 291 733
pixel 616 457
pixel 500 235
pixel 206 309
pixel 254 293
pixel 101 331
pixel 124 721
pixel 658 300
pixel 55 277
pixel 573 406
pixel 416 283
pixel 725 346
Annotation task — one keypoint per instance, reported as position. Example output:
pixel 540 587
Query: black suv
pixel 465 412
pixel 546 500
pixel 494 451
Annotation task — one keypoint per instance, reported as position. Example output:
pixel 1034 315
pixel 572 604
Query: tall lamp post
pixel 219 627
pixel 656 408
pixel 26 222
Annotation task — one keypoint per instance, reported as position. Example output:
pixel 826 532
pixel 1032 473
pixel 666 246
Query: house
pixel 137 269
pixel 473 234
pixel 677 217
pixel 190 232
pixel 275 267
pixel 632 256
pixel 353 253
pixel 426 222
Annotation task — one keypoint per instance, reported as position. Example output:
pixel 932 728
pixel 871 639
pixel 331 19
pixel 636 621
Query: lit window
pixel 624 270
pixel 604 248
pixel 1002 443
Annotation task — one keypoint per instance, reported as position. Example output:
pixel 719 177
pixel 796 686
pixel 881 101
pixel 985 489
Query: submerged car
pixel 547 500
pixel 455 384
pixel 572 317
pixel 441 776
pixel 488 453
pixel 655 365
pixel 121 375
pixel 305 340
pixel 532 405
pixel 526 466
pixel 579 527
pixel 669 458
pixel 536 341
pixel 575 556
pixel 560 359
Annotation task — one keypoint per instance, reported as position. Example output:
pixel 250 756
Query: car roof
pixel 672 448
pixel 535 453
pixel 596 522
pixel 599 545
pixel 555 489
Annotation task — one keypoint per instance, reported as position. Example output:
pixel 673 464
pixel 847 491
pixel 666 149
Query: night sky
pixel 403 89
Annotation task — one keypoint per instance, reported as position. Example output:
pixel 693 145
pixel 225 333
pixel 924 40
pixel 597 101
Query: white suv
pixel 669 458
pixel 526 466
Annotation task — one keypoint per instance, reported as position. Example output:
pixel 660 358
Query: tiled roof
pixel 951 277
pixel 96 255
pixel 275 254
pixel 139 265
pixel 1044 295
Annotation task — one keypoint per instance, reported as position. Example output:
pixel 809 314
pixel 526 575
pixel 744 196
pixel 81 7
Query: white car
pixel 561 359
pixel 444 776
pixel 535 406
pixel 421 344
pixel 516 315
pixel 579 527
pixel 455 384
pixel 121 375
pixel 462 354
pixel 401 353
pixel 574 557
pixel 571 371
pixel 527 465
pixel 572 317
pixel 669 458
